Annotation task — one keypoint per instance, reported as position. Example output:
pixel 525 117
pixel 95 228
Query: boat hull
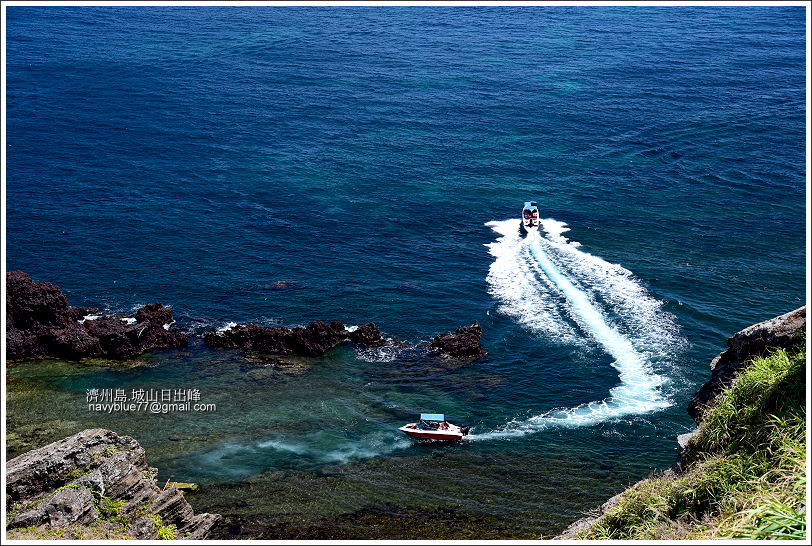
pixel 432 434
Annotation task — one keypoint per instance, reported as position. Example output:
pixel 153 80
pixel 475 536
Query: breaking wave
pixel 551 287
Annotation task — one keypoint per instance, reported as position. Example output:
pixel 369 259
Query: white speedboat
pixel 530 217
pixel 433 426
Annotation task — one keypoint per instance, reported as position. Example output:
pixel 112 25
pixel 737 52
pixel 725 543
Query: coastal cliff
pixel 741 472
pixel 95 484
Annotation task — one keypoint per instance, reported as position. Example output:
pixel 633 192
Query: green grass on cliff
pixel 746 477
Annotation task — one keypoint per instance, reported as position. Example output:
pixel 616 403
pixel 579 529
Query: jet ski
pixel 530 217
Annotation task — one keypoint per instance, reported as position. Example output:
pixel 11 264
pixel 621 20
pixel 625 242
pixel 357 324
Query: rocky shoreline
pixel 41 324
pixel 96 484
pixel 780 332
pixel 99 480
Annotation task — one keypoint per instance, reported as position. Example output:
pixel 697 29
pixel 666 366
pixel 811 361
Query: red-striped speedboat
pixel 433 426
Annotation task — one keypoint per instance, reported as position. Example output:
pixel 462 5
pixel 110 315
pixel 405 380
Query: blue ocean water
pixel 376 159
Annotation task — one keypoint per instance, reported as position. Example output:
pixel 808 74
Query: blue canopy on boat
pixel 432 417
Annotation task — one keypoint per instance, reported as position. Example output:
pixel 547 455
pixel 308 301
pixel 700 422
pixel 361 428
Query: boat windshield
pixel 428 425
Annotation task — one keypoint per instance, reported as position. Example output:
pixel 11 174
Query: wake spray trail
pixel 541 303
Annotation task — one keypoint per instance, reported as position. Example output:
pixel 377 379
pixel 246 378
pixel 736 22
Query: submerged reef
pixel 95 484
pixel 41 324
pixel 742 472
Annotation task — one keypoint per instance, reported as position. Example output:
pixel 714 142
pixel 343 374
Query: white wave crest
pixel 389 352
pixel 226 328
pixel 645 324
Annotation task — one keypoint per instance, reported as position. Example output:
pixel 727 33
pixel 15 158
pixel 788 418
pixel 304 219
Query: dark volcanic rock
pixel 63 482
pixel 38 319
pixel 154 313
pixel 114 335
pixel 121 340
pixel 279 285
pixel 367 335
pixel 81 312
pixel 23 343
pixel 71 342
pixel 753 341
pixel 30 304
pixel 314 340
pixel 317 338
pixel 41 324
pixel 462 343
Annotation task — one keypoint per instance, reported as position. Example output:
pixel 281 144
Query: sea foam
pixel 556 290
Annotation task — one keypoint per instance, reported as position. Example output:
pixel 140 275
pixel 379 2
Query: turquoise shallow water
pixel 373 159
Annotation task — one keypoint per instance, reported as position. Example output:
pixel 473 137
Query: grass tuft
pixel 167 532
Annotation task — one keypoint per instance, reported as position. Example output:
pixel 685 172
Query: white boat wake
pixel 554 289
pixel 548 285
